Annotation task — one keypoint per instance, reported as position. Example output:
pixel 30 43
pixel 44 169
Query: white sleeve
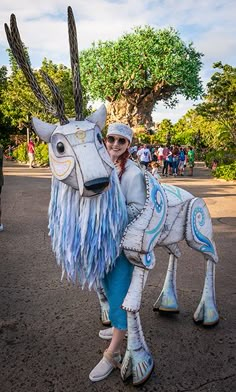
pixel 139 152
pixel 134 189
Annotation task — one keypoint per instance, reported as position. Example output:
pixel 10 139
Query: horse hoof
pixel 167 310
pixel 141 377
pixel 105 318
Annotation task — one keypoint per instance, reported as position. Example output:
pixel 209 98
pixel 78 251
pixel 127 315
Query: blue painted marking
pixel 148 259
pixel 174 190
pixel 158 200
pixel 207 247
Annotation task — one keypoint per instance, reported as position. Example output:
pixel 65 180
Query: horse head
pixel 77 153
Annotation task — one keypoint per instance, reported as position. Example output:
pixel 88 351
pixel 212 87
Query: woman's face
pixel 116 146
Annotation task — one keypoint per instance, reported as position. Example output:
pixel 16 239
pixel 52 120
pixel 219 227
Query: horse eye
pixel 60 147
pixel 99 138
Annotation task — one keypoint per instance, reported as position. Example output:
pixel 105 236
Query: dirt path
pixel 49 329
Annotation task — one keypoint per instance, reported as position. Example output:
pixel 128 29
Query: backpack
pixel 182 156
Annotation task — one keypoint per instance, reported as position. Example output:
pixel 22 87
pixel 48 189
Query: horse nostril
pixel 97 185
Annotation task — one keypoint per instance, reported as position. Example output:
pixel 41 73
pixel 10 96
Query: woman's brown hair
pixel 122 162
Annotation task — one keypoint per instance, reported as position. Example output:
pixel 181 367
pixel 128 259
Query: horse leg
pixel 199 236
pixel 104 306
pixel 138 360
pixel 168 300
pixel 206 311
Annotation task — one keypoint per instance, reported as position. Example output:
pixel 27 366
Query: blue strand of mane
pixel 86 233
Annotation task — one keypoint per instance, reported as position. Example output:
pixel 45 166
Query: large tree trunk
pixel 131 113
pixel 135 106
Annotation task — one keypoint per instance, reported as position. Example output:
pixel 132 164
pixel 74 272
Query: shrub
pixel 41 154
pixel 227 172
pixel 20 153
pixel 223 157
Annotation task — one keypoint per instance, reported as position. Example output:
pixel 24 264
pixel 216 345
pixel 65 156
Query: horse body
pixel 169 216
pixel 80 163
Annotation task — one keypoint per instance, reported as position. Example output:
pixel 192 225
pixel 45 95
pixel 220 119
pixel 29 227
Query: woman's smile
pixel 116 146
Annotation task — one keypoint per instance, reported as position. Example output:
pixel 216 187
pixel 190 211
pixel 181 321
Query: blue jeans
pixel 175 166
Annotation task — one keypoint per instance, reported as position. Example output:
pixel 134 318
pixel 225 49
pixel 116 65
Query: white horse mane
pixel 86 232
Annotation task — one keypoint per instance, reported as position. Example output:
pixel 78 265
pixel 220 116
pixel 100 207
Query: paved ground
pixel 48 328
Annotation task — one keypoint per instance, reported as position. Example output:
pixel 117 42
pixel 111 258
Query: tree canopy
pixel 140 69
pixel 220 101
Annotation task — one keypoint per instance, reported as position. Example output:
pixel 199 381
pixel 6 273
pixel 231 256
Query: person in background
pixel 181 161
pixel 154 170
pixel 186 155
pixel 175 157
pixel 191 159
pixel 165 161
pixel 144 156
pixel 160 155
pixel 31 152
pixel 1 185
pixel 133 152
pixel 154 154
pixel 170 161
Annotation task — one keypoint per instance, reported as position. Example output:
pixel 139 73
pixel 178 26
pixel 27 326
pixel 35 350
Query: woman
pixel 117 281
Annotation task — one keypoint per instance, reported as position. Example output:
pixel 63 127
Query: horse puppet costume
pixel 88 217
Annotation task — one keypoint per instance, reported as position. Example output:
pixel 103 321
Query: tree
pixel 5 123
pixel 192 126
pixel 139 70
pixel 19 101
pixel 220 102
pixel 164 134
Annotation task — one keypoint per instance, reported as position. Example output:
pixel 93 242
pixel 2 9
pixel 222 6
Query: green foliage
pixel 222 157
pixel 3 77
pixel 20 153
pixel 18 100
pixel 220 102
pixel 144 138
pixel 5 123
pixel 194 129
pixel 13 63
pixel 165 132
pixel 227 172
pixel 146 60
pixel 41 154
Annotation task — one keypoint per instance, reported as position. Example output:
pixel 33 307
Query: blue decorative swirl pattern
pixel 198 217
pixel 158 200
pixel 174 190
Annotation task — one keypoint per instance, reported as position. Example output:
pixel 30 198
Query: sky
pixel 209 24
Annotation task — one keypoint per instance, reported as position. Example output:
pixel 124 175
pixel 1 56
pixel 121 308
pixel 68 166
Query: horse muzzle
pixel 97 186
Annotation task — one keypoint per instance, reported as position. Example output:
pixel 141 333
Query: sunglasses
pixel 120 140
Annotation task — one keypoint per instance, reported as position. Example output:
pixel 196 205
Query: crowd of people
pixel 164 161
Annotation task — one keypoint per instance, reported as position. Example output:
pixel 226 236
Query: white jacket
pixel 133 188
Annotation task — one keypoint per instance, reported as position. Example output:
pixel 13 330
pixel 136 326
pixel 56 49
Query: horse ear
pixel 43 129
pixel 99 117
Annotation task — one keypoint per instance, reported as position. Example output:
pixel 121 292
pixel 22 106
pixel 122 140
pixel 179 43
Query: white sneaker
pixel 106 334
pixel 1 227
pixel 109 362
